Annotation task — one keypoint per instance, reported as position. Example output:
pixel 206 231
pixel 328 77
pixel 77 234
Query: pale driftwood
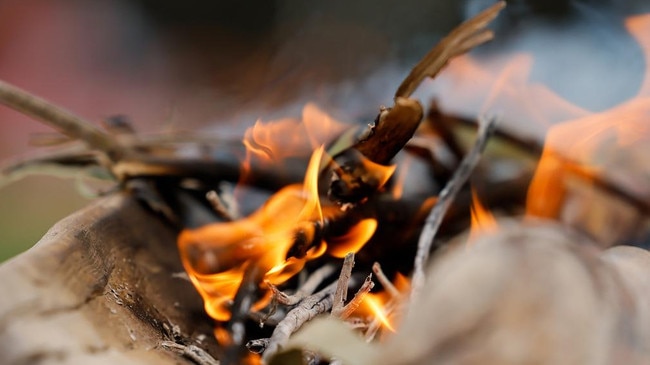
pixel 99 289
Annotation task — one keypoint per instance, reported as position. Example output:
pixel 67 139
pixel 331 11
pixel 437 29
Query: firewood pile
pixel 315 241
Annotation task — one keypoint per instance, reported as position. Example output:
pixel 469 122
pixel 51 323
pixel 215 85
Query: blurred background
pixel 220 65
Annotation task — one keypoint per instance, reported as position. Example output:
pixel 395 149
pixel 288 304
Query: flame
pixel 216 256
pixel 377 309
pixel 354 239
pixel 592 145
pixel 482 220
pixel 382 306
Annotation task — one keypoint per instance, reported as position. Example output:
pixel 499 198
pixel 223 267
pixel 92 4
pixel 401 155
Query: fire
pixel 218 256
pixel 274 141
pixel 271 143
pixel 384 305
pixel 482 220
pixel 377 309
pixel 354 239
pixel 580 145
pixel 594 144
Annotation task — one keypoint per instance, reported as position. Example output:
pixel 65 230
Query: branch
pixel 59 118
pixel 353 181
pixel 349 308
pixel 342 284
pixel 309 308
pixel 446 197
pixel 463 38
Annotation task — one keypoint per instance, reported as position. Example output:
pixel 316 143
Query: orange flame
pixel 354 239
pixel 382 305
pixel 482 220
pixel 271 142
pixel 587 146
pixel 216 256
pixel 377 308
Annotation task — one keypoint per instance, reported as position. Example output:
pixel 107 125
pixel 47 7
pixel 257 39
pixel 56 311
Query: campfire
pixel 419 237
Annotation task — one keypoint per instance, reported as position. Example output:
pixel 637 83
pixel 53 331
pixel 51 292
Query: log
pixel 100 288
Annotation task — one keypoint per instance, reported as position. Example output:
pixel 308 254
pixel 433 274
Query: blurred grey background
pixel 220 65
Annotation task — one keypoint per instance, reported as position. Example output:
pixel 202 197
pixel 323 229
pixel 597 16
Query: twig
pixel 383 280
pixel 309 308
pixel 349 308
pixel 61 119
pixel 341 294
pixel 194 353
pixel 446 197
pixel 219 206
pixel 463 38
pixel 310 285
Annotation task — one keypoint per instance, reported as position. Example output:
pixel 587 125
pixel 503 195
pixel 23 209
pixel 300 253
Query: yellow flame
pixel 377 310
pixel 482 221
pixel 354 239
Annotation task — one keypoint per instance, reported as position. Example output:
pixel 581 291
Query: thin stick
pixel 310 285
pixel 194 353
pixel 59 118
pixel 309 308
pixel 446 197
pixel 383 280
pixel 341 294
pixel 466 36
pixel 219 206
pixel 349 308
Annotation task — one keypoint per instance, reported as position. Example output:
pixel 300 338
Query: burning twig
pixel 446 197
pixel 194 353
pixel 395 126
